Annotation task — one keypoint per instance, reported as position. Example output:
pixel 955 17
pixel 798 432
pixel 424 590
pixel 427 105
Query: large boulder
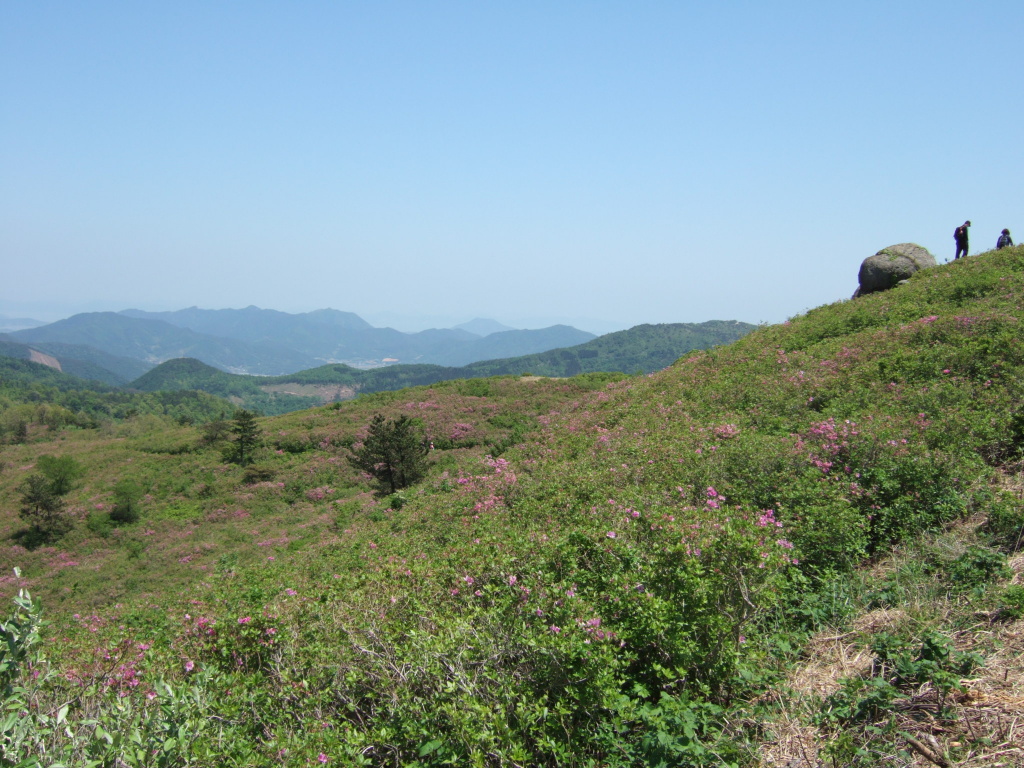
pixel 891 266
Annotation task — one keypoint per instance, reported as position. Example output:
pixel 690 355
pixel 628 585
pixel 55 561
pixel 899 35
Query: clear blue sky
pixel 602 163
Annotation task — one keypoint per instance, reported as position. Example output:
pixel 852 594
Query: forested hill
pixel 79 360
pixel 642 349
pixel 31 393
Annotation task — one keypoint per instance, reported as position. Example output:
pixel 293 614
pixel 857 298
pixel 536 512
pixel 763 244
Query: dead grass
pixel 982 727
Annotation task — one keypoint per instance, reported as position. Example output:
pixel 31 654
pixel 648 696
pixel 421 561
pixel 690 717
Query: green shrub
pixel 258 473
pixel 127 502
pixel 61 471
pixel 99 523
pixel 1013 602
pixel 1005 523
pixel 976 567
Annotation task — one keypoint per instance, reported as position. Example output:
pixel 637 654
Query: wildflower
pixel 611 534
pixel 555 629
pixel 290 592
pixel 245 620
pixel 190 665
pixel 321 758
pixel 512 580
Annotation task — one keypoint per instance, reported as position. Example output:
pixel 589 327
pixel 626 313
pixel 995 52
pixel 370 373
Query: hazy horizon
pixel 408 323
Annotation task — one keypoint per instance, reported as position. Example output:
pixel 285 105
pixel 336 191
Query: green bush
pixel 61 471
pixel 99 523
pixel 127 502
pixel 1005 523
pixel 1013 602
pixel 976 567
pixel 258 473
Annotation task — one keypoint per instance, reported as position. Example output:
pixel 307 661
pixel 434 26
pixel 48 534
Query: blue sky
pixel 599 163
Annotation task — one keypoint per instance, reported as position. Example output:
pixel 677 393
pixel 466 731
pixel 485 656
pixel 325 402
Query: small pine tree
pixel 43 509
pixel 394 453
pixel 127 502
pixel 248 437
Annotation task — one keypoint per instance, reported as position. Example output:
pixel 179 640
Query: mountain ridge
pixel 268 342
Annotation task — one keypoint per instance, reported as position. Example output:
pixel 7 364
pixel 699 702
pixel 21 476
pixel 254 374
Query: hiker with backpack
pixel 1004 241
pixel 960 235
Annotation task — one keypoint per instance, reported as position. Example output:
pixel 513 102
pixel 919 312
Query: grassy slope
pixel 596 600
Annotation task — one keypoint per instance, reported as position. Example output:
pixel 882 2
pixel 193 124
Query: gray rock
pixel 891 266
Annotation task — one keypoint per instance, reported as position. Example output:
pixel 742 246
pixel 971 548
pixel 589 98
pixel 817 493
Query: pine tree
pixel 127 502
pixel 247 438
pixel 42 508
pixel 394 453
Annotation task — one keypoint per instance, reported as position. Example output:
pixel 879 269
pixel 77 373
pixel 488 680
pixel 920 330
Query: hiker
pixel 960 235
pixel 1004 241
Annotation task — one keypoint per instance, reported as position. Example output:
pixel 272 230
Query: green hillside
pixel 80 361
pixel 88 363
pixel 791 548
pixel 37 395
pixel 252 392
pixel 641 349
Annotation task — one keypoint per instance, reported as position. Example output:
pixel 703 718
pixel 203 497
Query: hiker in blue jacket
pixel 1004 241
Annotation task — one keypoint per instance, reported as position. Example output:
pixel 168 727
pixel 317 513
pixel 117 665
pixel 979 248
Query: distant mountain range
pixel 274 361
pixel 268 342
pixel 482 326
pixel 154 341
